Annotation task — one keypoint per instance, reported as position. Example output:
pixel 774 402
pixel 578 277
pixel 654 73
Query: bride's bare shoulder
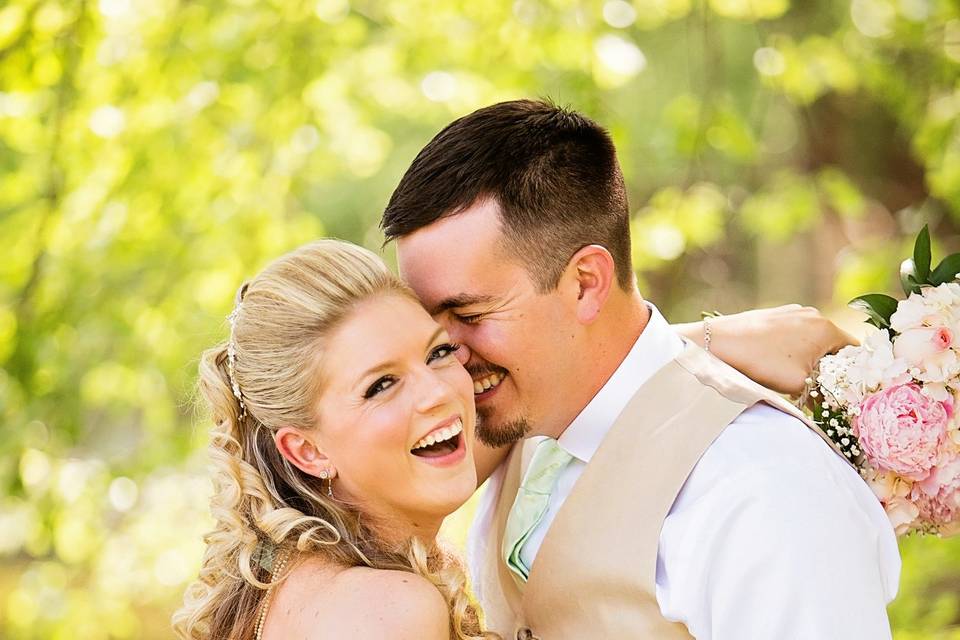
pixel 318 602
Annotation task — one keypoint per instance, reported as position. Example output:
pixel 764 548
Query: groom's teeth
pixel 485 384
pixel 440 436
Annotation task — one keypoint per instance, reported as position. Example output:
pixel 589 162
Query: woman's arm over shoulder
pixel 776 347
pixel 377 603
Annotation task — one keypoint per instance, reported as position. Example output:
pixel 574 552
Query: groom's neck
pixel 604 347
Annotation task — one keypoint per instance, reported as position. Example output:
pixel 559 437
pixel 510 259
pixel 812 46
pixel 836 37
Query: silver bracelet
pixel 707 334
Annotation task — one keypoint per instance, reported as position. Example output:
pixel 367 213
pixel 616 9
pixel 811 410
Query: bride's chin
pixel 452 494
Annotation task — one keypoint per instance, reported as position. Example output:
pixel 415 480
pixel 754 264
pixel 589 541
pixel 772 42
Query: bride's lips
pixel 450 459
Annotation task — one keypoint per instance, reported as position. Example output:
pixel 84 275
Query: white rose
pixel 920 344
pixel 932 307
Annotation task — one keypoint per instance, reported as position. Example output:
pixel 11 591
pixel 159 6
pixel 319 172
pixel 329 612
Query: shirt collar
pixel 657 345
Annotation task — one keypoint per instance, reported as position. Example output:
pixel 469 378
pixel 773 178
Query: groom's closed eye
pixel 469 318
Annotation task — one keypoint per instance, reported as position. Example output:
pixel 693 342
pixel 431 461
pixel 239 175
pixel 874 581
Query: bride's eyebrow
pixel 460 300
pixel 434 336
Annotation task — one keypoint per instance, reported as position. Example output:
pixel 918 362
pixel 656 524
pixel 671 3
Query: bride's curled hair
pixel 263 505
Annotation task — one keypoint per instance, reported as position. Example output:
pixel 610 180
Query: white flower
pixel 903 515
pixel 853 372
pixel 834 377
pixel 937 391
pixel 918 344
pixel 887 485
pixel 941 369
pixel 930 352
pixel 878 367
pixel 932 307
pixel 894 493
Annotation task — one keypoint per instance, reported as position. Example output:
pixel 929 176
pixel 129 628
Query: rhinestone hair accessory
pixel 232 353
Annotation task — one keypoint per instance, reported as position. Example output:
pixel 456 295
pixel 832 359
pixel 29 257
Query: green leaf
pixel 878 306
pixel 921 255
pixel 908 277
pixel 946 271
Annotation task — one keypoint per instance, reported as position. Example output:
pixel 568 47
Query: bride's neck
pixel 397 529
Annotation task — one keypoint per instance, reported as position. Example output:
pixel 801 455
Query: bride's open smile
pixel 444 445
pixel 395 414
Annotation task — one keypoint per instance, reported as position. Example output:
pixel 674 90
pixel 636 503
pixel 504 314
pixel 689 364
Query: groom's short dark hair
pixel 552 171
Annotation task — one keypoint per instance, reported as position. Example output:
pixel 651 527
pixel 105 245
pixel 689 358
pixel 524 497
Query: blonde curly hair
pixel 261 501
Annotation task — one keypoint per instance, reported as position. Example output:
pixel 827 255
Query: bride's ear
pixel 592 273
pixel 303 453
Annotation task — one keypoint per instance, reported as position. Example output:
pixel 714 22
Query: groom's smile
pixel 484 386
pixel 514 337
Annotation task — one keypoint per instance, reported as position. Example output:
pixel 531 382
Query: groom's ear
pixel 300 451
pixel 591 273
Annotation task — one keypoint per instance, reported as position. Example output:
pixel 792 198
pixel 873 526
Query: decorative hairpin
pixel 232 359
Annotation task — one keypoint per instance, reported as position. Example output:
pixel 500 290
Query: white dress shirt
pixel 773 535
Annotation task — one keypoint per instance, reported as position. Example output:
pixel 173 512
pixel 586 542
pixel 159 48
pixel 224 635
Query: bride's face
pixel 396 413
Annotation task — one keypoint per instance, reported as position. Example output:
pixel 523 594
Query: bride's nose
pixel 432 391
pixel 463 354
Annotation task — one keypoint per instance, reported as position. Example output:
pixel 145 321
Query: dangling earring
pixel 326 476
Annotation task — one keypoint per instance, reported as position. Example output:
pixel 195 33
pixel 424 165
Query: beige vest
pixel 594 575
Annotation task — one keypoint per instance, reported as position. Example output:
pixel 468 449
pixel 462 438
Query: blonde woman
pixel 325 399
pixel 343 435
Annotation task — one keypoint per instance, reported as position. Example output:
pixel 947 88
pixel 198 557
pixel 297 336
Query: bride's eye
pixel 442 351
pixel 381 385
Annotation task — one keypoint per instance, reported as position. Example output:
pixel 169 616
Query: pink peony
pixel 901 430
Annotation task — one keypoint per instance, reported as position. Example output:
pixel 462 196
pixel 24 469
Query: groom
pixel 667 495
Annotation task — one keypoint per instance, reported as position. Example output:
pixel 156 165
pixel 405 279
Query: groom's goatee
pixel 500 435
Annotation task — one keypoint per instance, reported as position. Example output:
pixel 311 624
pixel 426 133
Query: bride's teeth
pixel 444 434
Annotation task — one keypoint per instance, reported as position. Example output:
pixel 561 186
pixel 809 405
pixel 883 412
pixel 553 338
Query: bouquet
pixel 892 404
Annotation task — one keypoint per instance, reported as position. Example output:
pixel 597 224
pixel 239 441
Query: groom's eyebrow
pixel 461 300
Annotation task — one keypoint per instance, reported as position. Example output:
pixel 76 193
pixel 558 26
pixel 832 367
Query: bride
pixel 343 435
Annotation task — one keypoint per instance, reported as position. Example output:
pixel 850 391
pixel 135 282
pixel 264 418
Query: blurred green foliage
pixel 153 153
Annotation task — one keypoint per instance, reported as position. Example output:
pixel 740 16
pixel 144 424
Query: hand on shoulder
pixel 359 602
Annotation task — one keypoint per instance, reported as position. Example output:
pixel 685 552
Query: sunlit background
pixel 153 153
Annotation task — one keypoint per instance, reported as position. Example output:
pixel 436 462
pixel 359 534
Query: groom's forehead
pixel 446 277
pixel 454 259
pixel 461 242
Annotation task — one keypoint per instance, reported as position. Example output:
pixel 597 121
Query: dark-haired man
pixel 670 496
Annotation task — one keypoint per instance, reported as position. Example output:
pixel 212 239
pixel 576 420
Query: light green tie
pixel 531 502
